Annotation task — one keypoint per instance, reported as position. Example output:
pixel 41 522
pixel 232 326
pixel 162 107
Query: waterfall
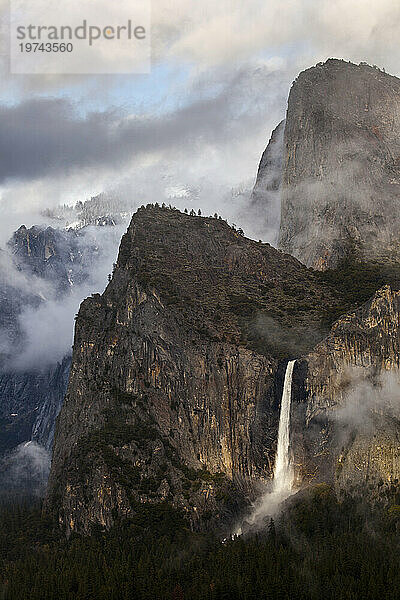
pixel 282 483
pixel 283 471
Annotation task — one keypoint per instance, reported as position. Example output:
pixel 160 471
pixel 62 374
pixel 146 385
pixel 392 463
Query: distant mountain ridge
pixel 40 265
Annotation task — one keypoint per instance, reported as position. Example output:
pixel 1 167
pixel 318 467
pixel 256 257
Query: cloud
pixel 210 34
pixel 47 329
pixel 229 71
pixel 25 470
pixel 20 281
pixel 45 136
pixel 213 34
pixel 368 400
pixel 211 142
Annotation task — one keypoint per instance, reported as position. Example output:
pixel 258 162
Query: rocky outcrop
pixel 341 166
pixel 347 427
pixel 172 394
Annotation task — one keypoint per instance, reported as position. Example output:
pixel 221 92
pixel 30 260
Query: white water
pixel 283 472
pixel 282 484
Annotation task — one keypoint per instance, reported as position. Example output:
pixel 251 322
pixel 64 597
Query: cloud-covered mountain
pixel 45 273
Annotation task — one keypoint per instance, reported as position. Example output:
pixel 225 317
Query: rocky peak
pixel 172 394
pixel 341 165
pixel 58 256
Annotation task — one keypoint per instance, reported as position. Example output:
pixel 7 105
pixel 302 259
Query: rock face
pixel 30 403
pixel 341 166
pixel 265 201
pixel 347 422
pixel 172 394
pixel 62 258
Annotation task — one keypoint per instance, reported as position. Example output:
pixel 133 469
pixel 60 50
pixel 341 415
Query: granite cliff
pixel 265 200
pixel 347 423
pixel 173 394
pixel 340 167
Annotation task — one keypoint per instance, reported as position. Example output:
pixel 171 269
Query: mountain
pixel 177 369
pixel 340 166
pixel 60 257
pixel 176 374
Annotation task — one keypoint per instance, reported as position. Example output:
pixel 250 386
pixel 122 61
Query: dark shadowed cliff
pixel 39 262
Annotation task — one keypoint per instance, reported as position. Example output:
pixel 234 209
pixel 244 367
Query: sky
pixel 220 76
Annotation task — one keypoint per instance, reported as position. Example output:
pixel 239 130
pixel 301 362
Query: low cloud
pixel 46 136
pixel 25 470
pixel 46 329
pixel 368 400
pixel 209 146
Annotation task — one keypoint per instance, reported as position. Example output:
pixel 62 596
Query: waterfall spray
pixel 282 483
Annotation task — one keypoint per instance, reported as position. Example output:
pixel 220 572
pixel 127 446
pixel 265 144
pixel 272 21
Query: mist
pixel 46 328
pixel 369 399
pixel 25 470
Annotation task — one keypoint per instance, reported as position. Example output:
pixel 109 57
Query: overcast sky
pixel 221 72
